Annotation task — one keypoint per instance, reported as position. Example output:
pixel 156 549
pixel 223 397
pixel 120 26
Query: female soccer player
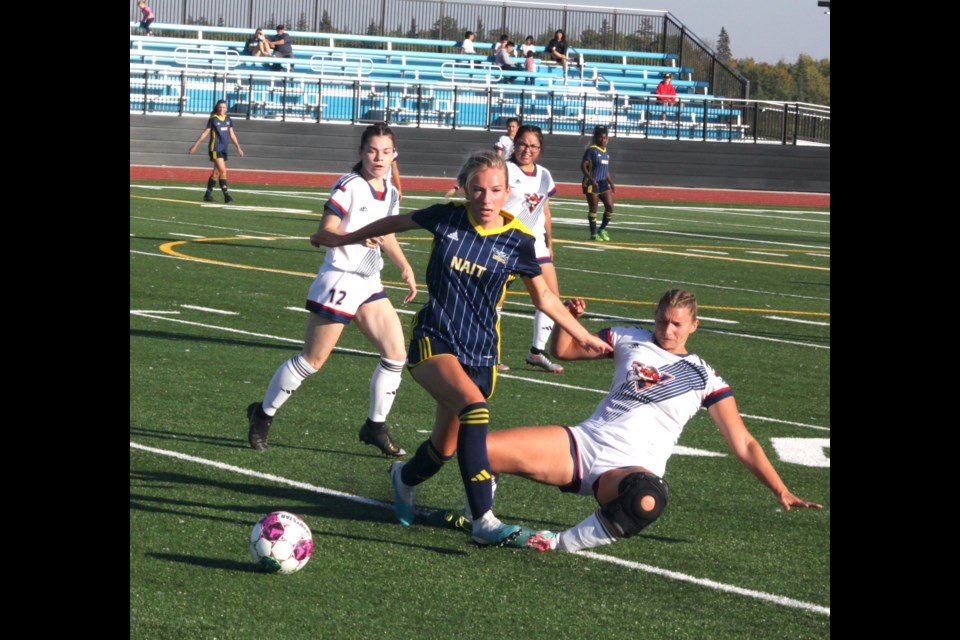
pixel 453 351
pixel 619 454
pixel 219 127
pixel 348 288
pixel 531 187
pixel 598 183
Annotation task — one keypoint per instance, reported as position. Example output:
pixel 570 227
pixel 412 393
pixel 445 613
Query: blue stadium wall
pixel 429 152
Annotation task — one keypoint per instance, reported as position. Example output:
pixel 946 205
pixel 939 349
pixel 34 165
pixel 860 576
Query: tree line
pixel 806 80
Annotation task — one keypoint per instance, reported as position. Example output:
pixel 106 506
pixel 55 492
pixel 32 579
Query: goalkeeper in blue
pixel 619 454
pixel 455 344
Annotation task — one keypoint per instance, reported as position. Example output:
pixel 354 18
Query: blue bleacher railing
pixel 376 78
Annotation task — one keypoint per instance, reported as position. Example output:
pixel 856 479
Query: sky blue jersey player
pixel 454 349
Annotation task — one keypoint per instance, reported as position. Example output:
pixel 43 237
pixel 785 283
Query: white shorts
pixel 337 295
pixel 541 249
pixel 597 452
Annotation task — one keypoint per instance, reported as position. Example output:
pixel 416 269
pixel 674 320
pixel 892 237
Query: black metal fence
pixel 586 27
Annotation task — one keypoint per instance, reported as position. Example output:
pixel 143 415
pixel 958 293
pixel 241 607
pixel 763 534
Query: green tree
pixel 326 24
pixel 723 46
pixel 412 32
pixel 302 24
pixel 809 83
pixel 445 29
pixel 373 29
pixel 767 82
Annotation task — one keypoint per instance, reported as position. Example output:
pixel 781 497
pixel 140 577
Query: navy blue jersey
pixel 219 133
pixel 599 162
pixel 466 275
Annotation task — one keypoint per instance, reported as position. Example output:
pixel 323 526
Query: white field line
pixel 767 253
pixel 710 584
pixel 149 314
pixel 819 324
pixel 698 285
pixel 209 310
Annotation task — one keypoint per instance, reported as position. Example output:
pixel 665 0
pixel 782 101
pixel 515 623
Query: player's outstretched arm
pixel 392 248
pixel 727 418
pixel 550 304
pixel 327 237
pixel 564 346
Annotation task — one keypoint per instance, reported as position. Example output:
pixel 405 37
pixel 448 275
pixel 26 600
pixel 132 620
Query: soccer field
pixel 217 304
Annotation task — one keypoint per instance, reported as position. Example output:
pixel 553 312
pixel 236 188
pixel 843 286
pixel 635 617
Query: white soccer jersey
pixel 653 395
pixel 357 204
pixel 528 196
pixel 505 144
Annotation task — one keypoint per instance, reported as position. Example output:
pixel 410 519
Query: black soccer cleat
pixel 207 197
pixel 227 198
pixel 260 424
pixel 378 436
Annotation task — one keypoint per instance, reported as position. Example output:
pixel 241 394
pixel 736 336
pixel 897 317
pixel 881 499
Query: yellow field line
pixel 168 248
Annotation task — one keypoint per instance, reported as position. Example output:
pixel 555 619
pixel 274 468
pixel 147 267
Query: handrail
pixel 210 57
pixel 320 62
pixel 484 70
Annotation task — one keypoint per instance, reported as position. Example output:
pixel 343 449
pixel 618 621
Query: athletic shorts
pixel 596 451
pixel 422 349
pixel 337 295
pixel 541 249
pixel 217 154
pixel 588 187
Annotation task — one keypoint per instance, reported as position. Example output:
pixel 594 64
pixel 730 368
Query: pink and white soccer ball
pixel 281 543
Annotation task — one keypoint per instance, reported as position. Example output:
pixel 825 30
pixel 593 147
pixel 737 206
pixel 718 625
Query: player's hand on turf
pixel 789 500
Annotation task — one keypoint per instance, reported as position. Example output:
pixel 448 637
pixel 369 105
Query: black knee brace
pixel 625 512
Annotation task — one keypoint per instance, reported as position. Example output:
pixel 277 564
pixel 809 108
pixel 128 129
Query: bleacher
pixel 357 78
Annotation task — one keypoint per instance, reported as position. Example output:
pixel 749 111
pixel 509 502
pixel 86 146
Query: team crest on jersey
pixel 499 255
pixel 646 375
pixel 533 199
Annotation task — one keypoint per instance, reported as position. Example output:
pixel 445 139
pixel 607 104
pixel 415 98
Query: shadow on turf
pixel 233 342
pixel 307 504
pixel 240 442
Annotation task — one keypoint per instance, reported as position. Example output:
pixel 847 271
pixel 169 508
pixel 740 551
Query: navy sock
pixel 472 457
pixel 424 464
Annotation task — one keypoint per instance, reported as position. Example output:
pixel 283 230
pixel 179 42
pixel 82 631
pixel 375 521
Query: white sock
pixel 383 388
pixel 486 523
pixel 493 494
pixel 542 326
pixel 587 534
pixel 285 381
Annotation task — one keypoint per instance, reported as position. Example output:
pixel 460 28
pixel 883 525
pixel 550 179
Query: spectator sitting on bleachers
pixel 281 44
pixel 528 46
pixel 556 50
pixel 666 92
pixel 507 62
pixel 256 45
pixel 497 46
pixel 467 45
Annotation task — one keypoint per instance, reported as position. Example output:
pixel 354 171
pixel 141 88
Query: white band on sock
pixel 285 381
pixel 383 388
pixel 542 326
